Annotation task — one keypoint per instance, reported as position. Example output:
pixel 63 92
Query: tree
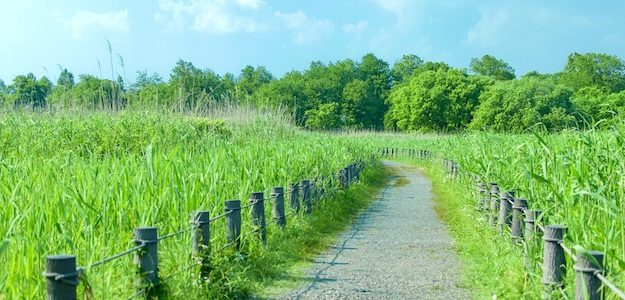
pixel 362 108
pixel 194 87
pixel 228 83
pixel 491 66
pixel 252 78
pixel 66 79
pixel 596 104
pixel 519 104
pixel 2 86
pixel 326 116
pixel 377 76
pixel 144 79
pixel 148 90
pixel 434 100
pixel 27 90
pixel 594 69
pixel 99 93
pixel 287 92
pixel 405 67
pixel 43 87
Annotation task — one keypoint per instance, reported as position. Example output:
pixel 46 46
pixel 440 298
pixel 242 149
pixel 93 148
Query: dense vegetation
pixel 410 95
pixel 91 164
pixel 80 182
pixel 575 177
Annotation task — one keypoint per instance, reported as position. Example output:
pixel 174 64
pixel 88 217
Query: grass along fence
pixel 63 276
pixel 512 215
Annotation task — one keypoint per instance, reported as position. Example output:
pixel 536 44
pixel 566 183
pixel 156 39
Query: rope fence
pixel 510 214
pixel 63 276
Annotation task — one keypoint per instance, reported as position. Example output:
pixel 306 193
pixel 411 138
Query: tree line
pixel 409 95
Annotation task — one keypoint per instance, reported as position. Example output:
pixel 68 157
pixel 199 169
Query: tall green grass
pixel 80 182
pixel 576 177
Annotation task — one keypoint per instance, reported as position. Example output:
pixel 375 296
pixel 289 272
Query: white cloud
pixel 355 28
pixel 305 29
pixel 208 16
pixel 250 4
pixel 406 11
pixel 527 23
pixel 486 31
pixel 83 21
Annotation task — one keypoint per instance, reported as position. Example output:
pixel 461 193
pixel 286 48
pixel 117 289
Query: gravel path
pixel 396 249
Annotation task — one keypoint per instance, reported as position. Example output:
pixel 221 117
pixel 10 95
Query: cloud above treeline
pixel 84 22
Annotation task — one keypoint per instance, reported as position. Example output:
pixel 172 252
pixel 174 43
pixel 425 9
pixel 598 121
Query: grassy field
pixel 81 182
pixel 575 177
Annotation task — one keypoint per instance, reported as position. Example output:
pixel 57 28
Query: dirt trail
pixel 396 249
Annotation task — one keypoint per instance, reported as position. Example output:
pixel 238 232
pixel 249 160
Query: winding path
pixel 396 249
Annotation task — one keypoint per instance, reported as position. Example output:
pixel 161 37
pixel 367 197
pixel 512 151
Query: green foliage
pixel 405 67
pixel 66 79
pixel 598 104
pixel 192 86
pixel 491 265
pixel 358 89
pixel 285 92
pixel 251 79
pixel 96 93
pixel 84 181
pixel 491 66
pixel 326 116
pixel 434 100
pixel 520 104
pixel 441 99
pixel 594 70
pixel 26 90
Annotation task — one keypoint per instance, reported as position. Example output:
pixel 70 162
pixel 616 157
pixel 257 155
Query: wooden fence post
pixel 277 211
pixel 494 203
pixel 518 216
pixel 530 224
pixel 147 258
pixel 294 196
pixel 61 277
pixel 257 200
pixel 587 285
pixel 504 211
pixel 201 241
pixel 305 187
pixel 554 262
pixel 312 189
pixel 233 222
pixel 342 177
pixel 482 204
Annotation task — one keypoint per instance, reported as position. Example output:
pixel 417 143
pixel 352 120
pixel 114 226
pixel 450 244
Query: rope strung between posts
pixel 567 250
pixel 249 205
pixel 116 256
pixel 179 232
pixel 318 188
pixel 609 284
pixel 218 217
pixel 65 278
pixel 599 274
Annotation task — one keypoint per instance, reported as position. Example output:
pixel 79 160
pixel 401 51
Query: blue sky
pixel 225 35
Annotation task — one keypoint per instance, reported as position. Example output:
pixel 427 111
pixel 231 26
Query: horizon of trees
pixel 409 95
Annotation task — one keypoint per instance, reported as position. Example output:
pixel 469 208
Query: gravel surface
pixel 396 249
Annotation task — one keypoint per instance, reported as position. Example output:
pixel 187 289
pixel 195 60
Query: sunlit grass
pixel 80 183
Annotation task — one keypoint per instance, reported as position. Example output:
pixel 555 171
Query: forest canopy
pixel 409 95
